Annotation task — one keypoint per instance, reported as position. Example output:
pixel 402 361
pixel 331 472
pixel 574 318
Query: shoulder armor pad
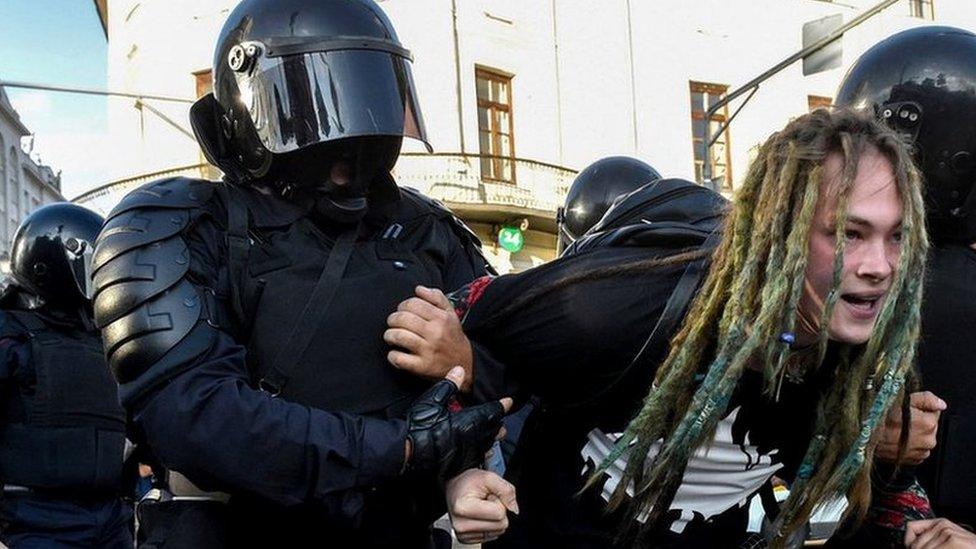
pixel 136 341
pixel 143 302
pixel 136 229
pixel 125 281
pixel 171 193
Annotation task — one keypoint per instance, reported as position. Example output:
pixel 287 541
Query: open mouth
pixel 865 304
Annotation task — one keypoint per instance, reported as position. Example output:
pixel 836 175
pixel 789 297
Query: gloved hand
pixel 444 442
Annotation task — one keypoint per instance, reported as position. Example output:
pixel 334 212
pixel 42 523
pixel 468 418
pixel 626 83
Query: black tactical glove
pixel 447 443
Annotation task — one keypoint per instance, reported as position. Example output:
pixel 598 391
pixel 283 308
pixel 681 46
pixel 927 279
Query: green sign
pixel 511 239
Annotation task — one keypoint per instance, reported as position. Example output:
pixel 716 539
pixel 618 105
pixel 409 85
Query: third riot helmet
pixel 594 191
pixel 51 253
pixel 922 82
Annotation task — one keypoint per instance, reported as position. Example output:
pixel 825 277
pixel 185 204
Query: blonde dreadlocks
pixel 750 297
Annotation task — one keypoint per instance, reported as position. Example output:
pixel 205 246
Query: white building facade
pixel 24 184
pixel 519 94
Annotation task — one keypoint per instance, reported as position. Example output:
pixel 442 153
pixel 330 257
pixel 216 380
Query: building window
pixel 923 9
pixel 815 102
pixel 495 132
pixel 703 97
pixel 204 82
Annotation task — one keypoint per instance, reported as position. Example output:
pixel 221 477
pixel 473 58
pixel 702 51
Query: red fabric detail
pixel 907 500
pixel 890 519
pixel 473 292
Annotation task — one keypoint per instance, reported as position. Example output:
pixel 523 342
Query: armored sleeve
pixel 157 271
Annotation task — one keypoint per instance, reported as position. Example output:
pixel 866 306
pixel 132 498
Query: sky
pixel 59 42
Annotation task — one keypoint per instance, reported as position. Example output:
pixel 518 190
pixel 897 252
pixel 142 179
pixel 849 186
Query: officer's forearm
pixel 209 424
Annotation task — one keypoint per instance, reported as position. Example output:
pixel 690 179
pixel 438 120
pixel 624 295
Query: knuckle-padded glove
pixel 444 442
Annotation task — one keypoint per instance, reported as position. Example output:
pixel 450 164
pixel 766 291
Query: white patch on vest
pixel 718 476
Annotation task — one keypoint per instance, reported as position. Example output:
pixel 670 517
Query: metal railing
pixel 103 198
pixel 452 178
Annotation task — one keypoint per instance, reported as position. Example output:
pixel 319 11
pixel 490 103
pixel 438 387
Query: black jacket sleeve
pixel 578 335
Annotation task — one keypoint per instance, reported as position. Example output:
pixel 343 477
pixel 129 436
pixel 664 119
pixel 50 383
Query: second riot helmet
pixel 922 82
pixel 52 251
pixel 594 191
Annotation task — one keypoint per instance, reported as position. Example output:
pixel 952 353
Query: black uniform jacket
pixel 323 457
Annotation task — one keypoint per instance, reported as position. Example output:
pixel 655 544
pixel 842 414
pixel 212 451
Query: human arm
pixel 574 341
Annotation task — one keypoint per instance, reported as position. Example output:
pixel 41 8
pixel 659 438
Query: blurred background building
pixel 520 94
pixel 25 184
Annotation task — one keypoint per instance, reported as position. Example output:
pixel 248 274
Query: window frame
pixel 917 8
pixel 496 156
pixel 708 89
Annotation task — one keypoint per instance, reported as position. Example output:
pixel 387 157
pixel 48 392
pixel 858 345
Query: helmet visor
pixel 299 100
pixel 79 256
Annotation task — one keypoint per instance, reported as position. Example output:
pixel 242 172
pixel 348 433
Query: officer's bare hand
pixel 925 411
pixel 428 337
pixel 938 533
pixel 478 502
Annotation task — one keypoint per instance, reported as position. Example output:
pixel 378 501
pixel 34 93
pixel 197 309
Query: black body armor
pixel 62 427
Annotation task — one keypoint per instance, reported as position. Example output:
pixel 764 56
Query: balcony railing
pixel 455 179
pixel 452 178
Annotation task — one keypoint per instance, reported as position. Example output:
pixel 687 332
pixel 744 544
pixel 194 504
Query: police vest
pixel 344 365
pixel 63 426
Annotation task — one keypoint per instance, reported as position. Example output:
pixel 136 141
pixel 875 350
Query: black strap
pixel 672 314
pixel 37 329
pixel 768 499
pixel 315 309
pixel 238 248
pixel 29 320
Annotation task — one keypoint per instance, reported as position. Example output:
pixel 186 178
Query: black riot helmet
pixel 922 82
pixel 593 192
pixel 52 252
pixel 301 83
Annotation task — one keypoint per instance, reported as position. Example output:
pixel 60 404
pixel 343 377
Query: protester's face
pixel 873 233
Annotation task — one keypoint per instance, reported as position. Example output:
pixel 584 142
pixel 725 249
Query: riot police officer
pixel 244 319
pixel 62 430
pixel 922 82
pixel 593 192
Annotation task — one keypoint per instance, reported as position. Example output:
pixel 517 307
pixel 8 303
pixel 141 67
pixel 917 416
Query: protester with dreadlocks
pixel 800 339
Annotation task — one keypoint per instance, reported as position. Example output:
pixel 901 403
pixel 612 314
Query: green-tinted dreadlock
pixel 751 295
